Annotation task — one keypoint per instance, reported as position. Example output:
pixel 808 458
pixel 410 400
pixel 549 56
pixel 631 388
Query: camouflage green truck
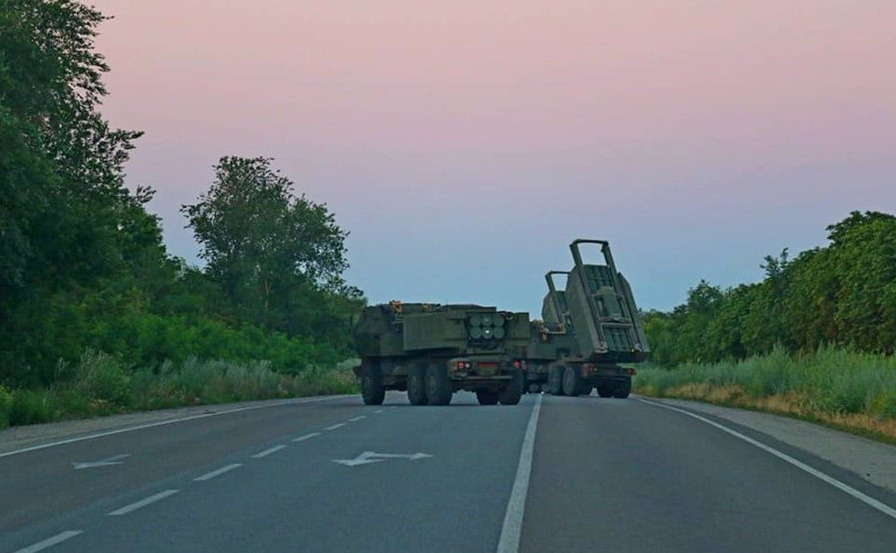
pixel 432 351
pixel 588 330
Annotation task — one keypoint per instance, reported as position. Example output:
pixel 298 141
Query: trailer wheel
pixel 623 389
pixel 372 390
pixel 604 390
pixel 486 397
pixel 572 382
pixel 555 381
pixel 416 386
pixel 511 394
pixel 438 386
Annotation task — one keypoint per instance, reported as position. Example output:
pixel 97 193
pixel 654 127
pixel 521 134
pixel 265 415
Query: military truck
pixel 432 351
pixel 588 329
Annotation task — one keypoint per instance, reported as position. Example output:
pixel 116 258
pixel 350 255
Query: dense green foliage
pixel 101 385
pixel 843 294
pixel 82 263
pixel 830 380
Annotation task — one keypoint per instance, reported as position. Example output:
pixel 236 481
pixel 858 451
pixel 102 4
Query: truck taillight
pixel 460 364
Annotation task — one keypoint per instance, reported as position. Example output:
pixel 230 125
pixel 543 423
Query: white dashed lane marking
pixel 356 419
pixel 49 542
pixel 142 503
pixel 306 437
pixel 335 426
pixel 267 452
pixel 217 472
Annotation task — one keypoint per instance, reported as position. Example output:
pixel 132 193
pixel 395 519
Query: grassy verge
pixel 101 385
pixel 840 388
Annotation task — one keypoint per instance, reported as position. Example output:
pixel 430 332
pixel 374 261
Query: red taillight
pixel 516 364
pixel 460 364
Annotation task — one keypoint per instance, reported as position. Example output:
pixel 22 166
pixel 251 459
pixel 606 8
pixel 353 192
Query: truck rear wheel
pixel 511 394
pixel 555 381
pixel 487 397
pixel 438 386
pixel 623 389
pixel 604 390
pixel 372 390
pixel 572 382
pixel 416 386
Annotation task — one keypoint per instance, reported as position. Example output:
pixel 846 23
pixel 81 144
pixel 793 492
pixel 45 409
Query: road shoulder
pixel 874 462
pixel 23 437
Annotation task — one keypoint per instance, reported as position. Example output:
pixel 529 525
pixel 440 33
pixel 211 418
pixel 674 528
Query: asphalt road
pixel 552 474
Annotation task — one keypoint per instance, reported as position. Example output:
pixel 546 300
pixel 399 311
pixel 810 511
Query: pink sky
pixel 696 135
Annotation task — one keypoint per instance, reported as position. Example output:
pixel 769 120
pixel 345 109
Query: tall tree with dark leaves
pixel 68 223
pixel 263 244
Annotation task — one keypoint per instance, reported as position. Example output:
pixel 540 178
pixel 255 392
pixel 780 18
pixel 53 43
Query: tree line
pixel 82 262
pixel 842 294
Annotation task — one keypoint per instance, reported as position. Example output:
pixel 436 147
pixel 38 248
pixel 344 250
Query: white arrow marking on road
pixel 104 463
pixel 369 457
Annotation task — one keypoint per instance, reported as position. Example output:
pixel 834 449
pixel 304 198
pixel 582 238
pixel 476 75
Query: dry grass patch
pixel 792 405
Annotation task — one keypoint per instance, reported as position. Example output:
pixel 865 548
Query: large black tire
pixel 623 389
pixel 439 388
pixel 605 390
pixel 555 381
pixel 487 397
pixel 417 386
pixel 372 390
pixel 513 391
pixel 572 382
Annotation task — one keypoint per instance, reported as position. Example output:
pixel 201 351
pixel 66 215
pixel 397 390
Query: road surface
pixel 551 474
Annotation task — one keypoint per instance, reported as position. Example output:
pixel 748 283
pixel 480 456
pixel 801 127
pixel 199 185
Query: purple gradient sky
pixel 465 143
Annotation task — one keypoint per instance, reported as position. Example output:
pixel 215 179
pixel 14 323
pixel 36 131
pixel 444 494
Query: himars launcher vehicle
pixel 434 350
pixel 587 330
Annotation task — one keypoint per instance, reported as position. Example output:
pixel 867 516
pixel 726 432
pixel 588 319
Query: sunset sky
pixel 465 143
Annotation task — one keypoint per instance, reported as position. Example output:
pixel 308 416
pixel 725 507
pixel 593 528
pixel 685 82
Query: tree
pixel 68 224
pixel 262 242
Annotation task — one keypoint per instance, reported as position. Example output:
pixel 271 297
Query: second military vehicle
pixel 588 329
pixel 432 351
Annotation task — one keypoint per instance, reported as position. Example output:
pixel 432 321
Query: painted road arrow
pixel 369 457
pixel 116 460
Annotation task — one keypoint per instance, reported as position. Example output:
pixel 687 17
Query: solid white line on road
pixel 378 411
pixel 171 421
pixel 49 542
pixel 516 506
pixel 267 452
pixel 335 426
pixel 306 437
pixel 217 472
pixel 142 503
pixel 356 419
pixel 868 500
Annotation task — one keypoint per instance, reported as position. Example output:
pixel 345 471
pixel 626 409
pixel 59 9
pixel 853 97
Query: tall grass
pixel 100 384
pixel 832 383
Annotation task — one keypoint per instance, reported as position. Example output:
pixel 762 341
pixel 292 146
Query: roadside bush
pixel 101 379
pixel 31 407
pixel 829 381
pixel 5 406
